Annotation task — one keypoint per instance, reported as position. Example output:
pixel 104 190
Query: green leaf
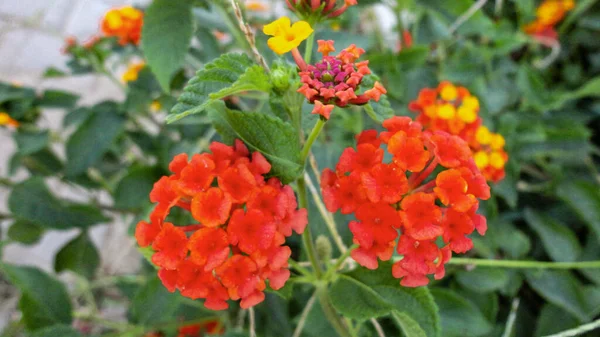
pixel 589 89
pixel 77 116
pixel 409 327
pixel 80 256
pixel 378 111
pixel 584 198
pixel 44 300
pixel 215 76
pixel 58 330
pixel 53 72
pixel 376 293
pixel 553 319
pixel 134 189
pixel 269 135
pixel 92 139
pixel 482 279
pixel 31 141
pixel 254 79
pixel 153 303
pixel 559 241
pixel 25 232
pixel 560 288
pixel 166 35
pixel 58 99
pixel 460 317
pixel 31 201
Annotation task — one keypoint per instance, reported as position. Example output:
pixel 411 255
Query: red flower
pixel 170 246
pixel 250 231
pixel 211 208
pixel 197 175
pixel 146 232
pixel 361 160
pixel 238 182
pixel 409 152
pixel 421 217
pixel 451 151
pixel 385 182
pixel 452 190
pixel 209 247
pixel 239 275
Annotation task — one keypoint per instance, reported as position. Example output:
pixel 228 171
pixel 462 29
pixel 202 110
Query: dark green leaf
pixel 80 256
pixel 31 141
pixel 553 320
pixel 166 35
pixel 584 198
pixel 133 190
pixel 364 303
pixel 215 76
pixel 409 327
pixel 153 303
pixel 25 232
pixel 92 139
pixel 58 99
pixel 254 79
pixel 77 116
pixel 482 279
pixel 272 137
pixel 44 300
pixel 31 201
pixel 58 330
pixel 560 288
pixel 460 317
pixel 560 242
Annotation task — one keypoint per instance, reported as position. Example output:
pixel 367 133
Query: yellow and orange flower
pixel 548 14
pixel 286 36
pixel 132 72
pixel 5 119
pixel 124 23
pixel 489 154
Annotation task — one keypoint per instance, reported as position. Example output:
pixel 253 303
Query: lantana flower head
pixel 548 14
pixel 428 192
pixel 238 242
pixel 125 23
pixel 132 72
pixel 6 119
pixel 286 36
pixel 211 327
pixel 335 80
pixel 319 9
pixel 453 109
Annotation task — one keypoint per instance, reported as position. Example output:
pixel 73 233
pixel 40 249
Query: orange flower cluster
pixel 336 80
pixel 243 221
pixel 548 14
pixel 124 23
pixel 454 110
pixel 430 189
pixel 212 328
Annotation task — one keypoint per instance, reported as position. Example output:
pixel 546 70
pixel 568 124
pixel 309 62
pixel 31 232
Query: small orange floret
pixel 125 23
pixel 325 47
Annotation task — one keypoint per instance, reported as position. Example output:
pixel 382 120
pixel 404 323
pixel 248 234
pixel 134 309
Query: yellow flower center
pixel 446 111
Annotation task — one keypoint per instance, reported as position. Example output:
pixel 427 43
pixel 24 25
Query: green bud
pixel 280 79
pixel 323 248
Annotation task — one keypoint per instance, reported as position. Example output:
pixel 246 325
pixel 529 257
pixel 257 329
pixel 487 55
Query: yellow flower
pixel 286 36
pixel 482 160
pixel 449 92
pixel 467 114
pixel 256 6
pixel 496 160
pixel 446 111
pixel 5 119
pixel 155 106
pixel 483 135
pixel 497 142
pixel 471 102
pixel 131 74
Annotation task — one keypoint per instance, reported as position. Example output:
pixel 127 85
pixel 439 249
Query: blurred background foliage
pixel 543 100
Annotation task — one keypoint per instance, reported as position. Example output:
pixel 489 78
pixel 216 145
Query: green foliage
pixel 25 232
pixel 31 201
pixel 44 300
pixel 56 330
pixel 228 74
pixel 153 304
pixel 166 36
pixel 133 190
pixel 459 316
pixel 79 255
pixel 560 242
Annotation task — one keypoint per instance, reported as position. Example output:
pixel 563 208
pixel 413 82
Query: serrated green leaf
pixel 215 76
pixel 79 255
pixel 376 293
pixel 31 201
pixel 460 317
pixel 25 232
pixel 269 135
pixel 166 35
pixel 409 327
pixel 482 279
pixel 92 139
pixel 561 288
pixel 254 79
pixel 153 303
pixel 584 198
pixel 31 141
pixel 44 300
pixel 560 242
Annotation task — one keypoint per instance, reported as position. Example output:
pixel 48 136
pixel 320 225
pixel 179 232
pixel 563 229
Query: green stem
pixel 293 264
pixel 339 262
pixel 524 264
pixel 307 236
pixel 309 48
pixel 311 139
pixel 330 313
